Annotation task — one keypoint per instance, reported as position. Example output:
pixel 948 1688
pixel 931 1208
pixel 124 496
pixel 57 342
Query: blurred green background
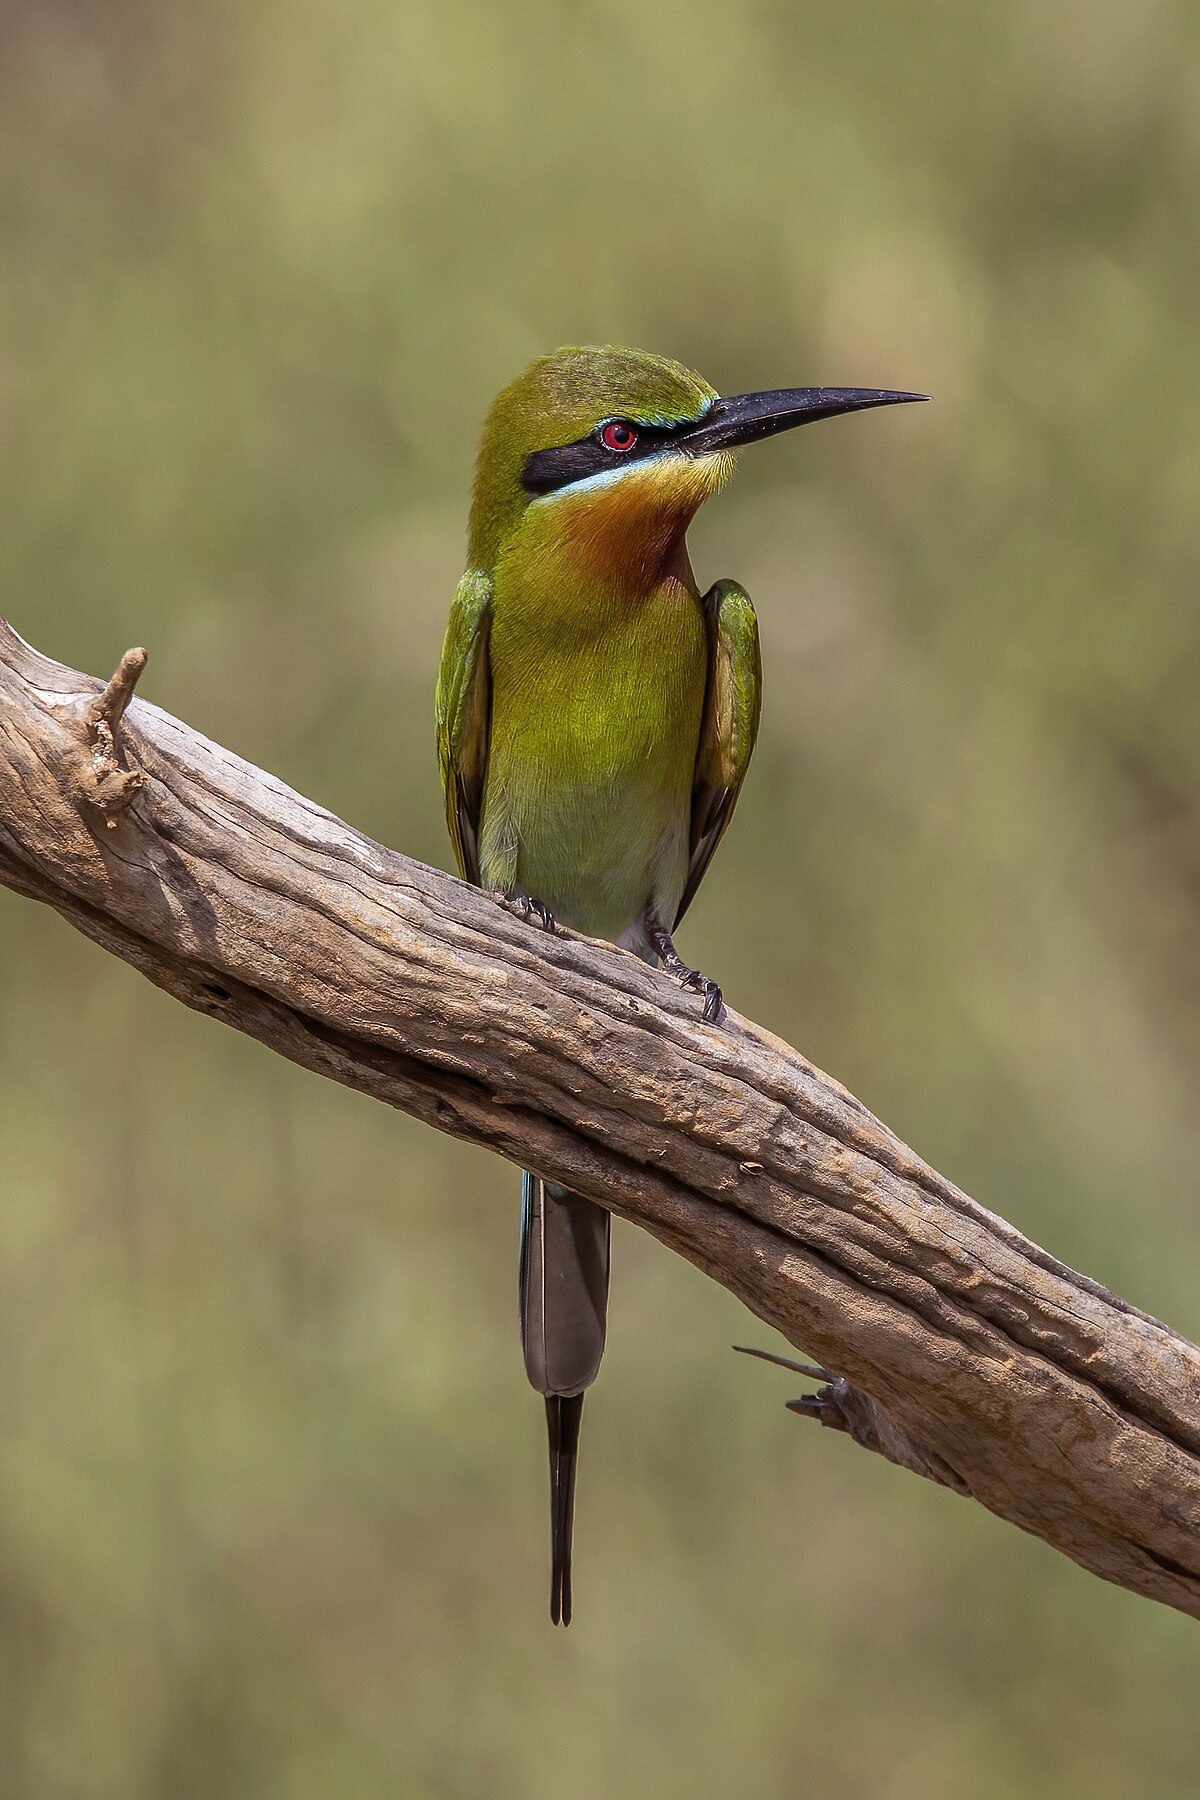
pixel 272 1489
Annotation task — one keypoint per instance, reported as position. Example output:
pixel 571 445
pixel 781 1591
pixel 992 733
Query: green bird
pixel 596 716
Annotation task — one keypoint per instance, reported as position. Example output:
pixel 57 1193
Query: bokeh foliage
pixel 272 1495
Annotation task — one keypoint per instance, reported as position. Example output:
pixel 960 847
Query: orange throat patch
pixel 631 529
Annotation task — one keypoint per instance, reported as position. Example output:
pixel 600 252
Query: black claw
pixel 696 983
pixel 689 979
pixel 533 912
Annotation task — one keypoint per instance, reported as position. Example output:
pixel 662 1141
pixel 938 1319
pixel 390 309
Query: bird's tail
pixel 564 1303
pixel 564 1412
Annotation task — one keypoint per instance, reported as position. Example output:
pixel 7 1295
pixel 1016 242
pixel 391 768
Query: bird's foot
pixel 697 983
pixel 687 977
pixel 534 912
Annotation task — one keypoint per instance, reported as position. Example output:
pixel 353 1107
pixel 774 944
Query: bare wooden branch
pixel 964 1351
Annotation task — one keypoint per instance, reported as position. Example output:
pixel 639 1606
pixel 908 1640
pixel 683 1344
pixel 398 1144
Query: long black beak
pixel 743 418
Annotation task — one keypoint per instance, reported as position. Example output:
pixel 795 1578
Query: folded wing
pixel 463 711
pixel 729 730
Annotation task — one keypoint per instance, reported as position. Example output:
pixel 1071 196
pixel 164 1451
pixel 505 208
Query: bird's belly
pixel 588 798
pixel 596 851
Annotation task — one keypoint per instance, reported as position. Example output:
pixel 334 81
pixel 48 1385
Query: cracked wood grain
pixel 964 1352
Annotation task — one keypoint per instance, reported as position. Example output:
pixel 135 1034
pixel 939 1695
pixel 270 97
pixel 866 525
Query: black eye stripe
pixel 548 470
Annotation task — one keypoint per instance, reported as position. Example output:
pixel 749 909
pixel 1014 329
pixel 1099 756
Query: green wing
pixel 727 736
pixel 463 706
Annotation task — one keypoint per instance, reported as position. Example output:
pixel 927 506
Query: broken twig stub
pixel 107 779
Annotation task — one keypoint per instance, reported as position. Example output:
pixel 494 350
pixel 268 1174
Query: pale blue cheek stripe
pixel 606 477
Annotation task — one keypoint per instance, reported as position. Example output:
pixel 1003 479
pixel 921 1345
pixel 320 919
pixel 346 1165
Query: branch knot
pixel 108 779
pixel 841 1407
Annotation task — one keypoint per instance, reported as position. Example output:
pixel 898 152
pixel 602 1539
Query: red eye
pixel 618 435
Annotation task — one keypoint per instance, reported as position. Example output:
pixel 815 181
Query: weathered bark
pixel 964 1351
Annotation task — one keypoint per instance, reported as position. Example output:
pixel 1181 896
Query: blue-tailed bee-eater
pixel 596 715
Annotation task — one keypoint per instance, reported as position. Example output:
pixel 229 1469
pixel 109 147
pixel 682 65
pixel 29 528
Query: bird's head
pixel 611 451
